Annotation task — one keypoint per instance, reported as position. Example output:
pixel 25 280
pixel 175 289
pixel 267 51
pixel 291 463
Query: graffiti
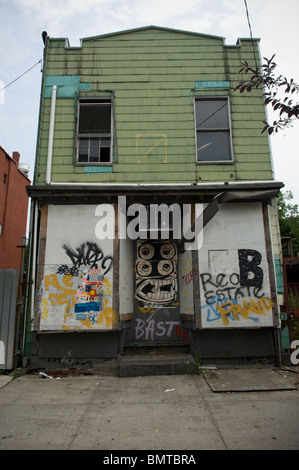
pixel 183 333
pixel 251 274
pixel 224 286
pixel 84 290
pixel 150 328
pixel 45 311
pixel 151 142
pixel 64 269
pixel 92 288
pixel 85 298
pixel 88 254
pixel 156 274
pixel 187 278
pixel 60 291
pixel 259 307
pixel 235 296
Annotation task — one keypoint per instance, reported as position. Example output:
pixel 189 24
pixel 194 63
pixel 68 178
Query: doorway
pixel 156 315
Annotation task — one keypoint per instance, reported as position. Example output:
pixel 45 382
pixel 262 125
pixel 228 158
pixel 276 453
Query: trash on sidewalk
pixel 45 376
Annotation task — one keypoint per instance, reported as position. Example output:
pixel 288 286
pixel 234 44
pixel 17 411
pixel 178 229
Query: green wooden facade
pixel 152 75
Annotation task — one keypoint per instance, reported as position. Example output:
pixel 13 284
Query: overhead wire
pixel 250 30
pixel 13 81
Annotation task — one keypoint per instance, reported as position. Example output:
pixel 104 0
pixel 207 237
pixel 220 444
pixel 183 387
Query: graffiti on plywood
pixel 87 254
pixel 79 296
pixel 156 274
pixel 92 293
pixel 236 297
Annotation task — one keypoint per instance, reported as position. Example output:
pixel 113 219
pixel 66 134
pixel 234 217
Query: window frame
pixel 215 129
pixel 90 101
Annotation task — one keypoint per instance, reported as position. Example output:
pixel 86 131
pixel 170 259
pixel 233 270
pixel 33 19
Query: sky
pixel 21 48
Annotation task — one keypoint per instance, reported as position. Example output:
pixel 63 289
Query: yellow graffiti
pixel 109 314
pixel 259 307
pixel 65 295
pixel 158 139
pixel 62 295
pixel 145 310
pixel 45 311
pixel 60 291
pixel 108 286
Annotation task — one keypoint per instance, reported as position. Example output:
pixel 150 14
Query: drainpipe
pixel 31 266
pixel 51 135
pixel 34 259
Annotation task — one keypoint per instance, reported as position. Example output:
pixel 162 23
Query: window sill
pixel 93 164
pixel 216 162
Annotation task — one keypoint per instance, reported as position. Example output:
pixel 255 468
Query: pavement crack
pixel 211 415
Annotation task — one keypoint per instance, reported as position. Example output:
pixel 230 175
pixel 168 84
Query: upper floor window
pixel 94 132
pixel 213 137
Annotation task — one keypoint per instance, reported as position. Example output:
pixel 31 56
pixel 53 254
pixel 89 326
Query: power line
pixel 250 30
pixel 22 74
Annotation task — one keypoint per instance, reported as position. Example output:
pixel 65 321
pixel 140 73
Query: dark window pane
pixel 83 150
pixel 212 114
pixel 94 118
pixel 213 146
pixel 83 157
pixel 84 142
pixel 94 154
pixel 105 154
pixel 94 142
pixel 105 141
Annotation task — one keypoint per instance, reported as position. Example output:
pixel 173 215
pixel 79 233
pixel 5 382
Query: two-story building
pixel 154 201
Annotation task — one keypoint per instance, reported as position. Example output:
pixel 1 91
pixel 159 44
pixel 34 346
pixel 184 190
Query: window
pixel 213 130
pixel 94 132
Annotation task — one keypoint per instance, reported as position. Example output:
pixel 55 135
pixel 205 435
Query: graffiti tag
pixel 87 254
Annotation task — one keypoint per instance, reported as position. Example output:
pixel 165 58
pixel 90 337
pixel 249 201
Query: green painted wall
pixel 152 73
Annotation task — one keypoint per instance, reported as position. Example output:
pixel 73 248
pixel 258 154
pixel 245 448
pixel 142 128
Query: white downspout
pixel 34 259
pixel 51 135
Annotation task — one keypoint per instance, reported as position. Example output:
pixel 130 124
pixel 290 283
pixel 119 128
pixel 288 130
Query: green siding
pixel 152 73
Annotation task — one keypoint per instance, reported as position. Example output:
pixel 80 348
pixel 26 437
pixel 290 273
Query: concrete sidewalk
pixel 174 412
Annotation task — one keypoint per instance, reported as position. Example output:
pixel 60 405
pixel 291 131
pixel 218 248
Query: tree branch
pixel 265 77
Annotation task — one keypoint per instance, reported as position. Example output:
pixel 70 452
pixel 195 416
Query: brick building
pixel 13 209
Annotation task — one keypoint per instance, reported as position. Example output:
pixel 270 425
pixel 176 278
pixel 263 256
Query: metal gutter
pixel 245 190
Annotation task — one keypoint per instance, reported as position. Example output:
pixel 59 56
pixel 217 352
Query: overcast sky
pixel 275 22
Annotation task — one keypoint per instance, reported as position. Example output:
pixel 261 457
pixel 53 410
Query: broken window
pixel 213 130
pixel 94 132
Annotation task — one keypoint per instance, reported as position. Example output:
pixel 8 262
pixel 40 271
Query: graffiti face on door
pixel 156 274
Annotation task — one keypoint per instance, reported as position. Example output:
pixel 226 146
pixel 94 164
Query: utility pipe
pixel 51 135
pixel 31 267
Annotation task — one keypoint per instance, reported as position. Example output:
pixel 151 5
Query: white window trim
pixel 215 162
pixel 78 135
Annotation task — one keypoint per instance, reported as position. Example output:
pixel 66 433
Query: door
pixel 156 316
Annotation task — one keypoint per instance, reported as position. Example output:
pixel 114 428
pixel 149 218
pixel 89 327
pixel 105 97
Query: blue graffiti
pixel 212 314
pixel 93 319
pixel 88 307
